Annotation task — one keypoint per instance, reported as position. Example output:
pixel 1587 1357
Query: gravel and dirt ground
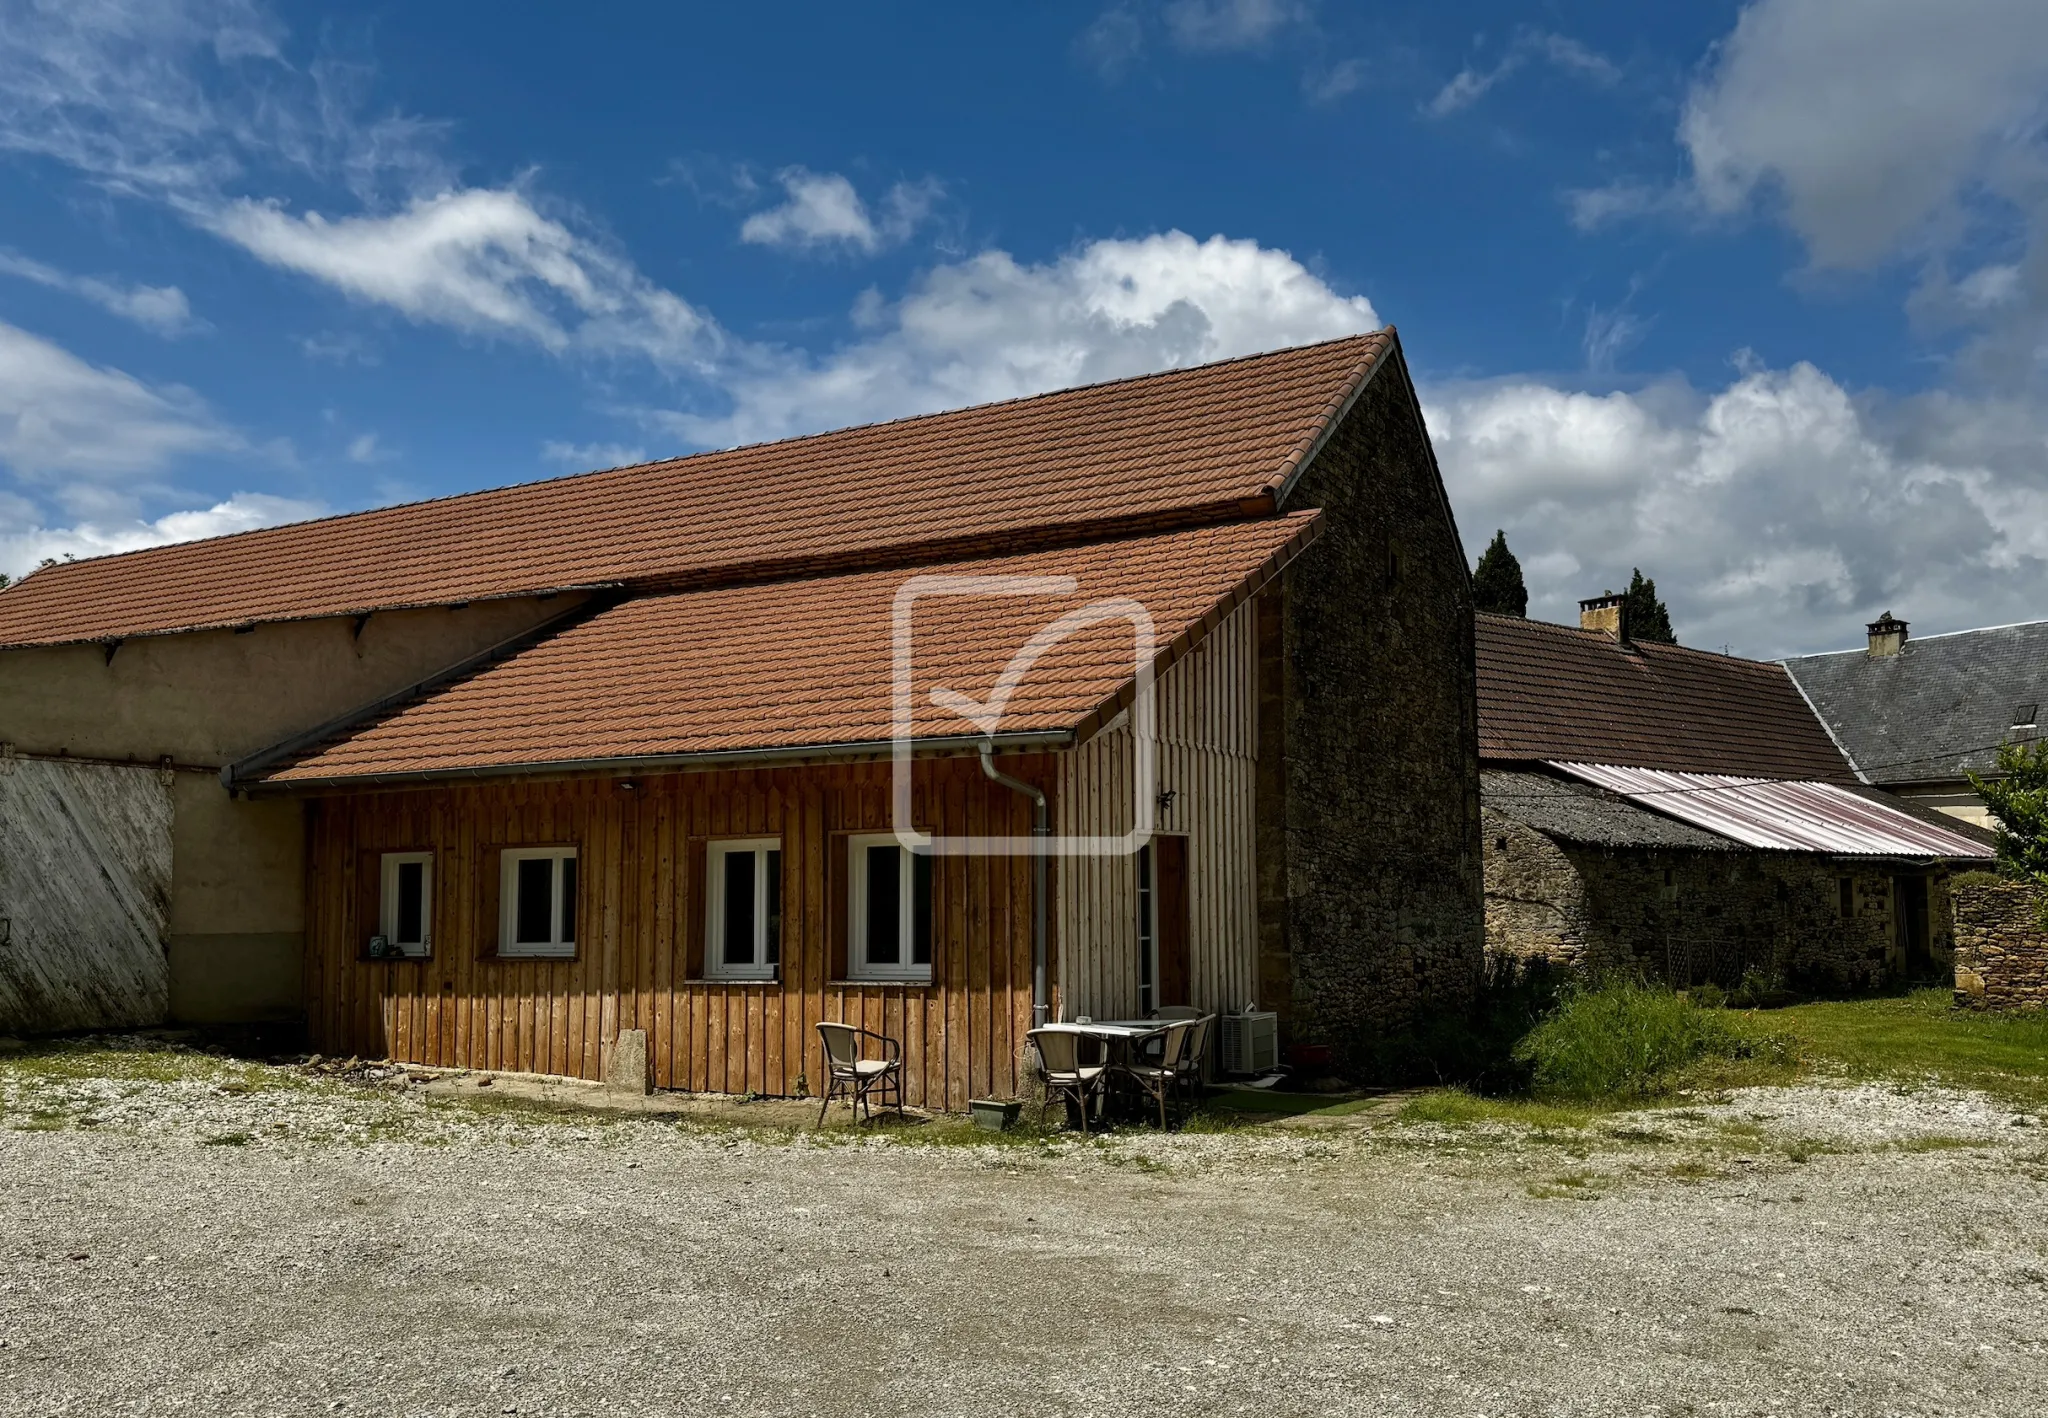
pixel 189 1235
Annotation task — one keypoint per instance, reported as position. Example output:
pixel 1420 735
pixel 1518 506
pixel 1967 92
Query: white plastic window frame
pixel 387 904
pixel 715 965
pixel 554 948
pixel 857 965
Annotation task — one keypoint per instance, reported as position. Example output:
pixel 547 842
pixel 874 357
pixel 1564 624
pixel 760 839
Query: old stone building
pixel 1917 716
pixel 1682 814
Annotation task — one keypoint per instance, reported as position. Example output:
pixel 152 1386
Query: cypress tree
pixel 1497 581
pixel 1648 618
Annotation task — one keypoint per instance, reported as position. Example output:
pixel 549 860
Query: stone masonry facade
pixel 2001 947
pixel 1690 916
pixel 1371 912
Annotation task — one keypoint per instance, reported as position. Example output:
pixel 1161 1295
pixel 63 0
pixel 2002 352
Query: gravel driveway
pixel 246 1241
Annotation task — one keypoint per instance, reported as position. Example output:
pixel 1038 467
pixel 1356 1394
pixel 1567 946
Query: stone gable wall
pixel 1373 915
pixel 2001 947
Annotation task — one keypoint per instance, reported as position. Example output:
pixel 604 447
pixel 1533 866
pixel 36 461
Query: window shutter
pixel 489 879
pixel 369 898
pixel 837 866
pixel 694 907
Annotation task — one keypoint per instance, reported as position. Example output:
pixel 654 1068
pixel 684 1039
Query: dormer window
pixel 2023 717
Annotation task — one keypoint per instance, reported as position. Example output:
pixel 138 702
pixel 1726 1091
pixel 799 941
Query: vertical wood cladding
pixel 1208 746
pixel 639 950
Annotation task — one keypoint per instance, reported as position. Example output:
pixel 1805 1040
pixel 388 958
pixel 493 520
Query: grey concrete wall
pixel 85 884
pixel 1378 796
pixel 235 927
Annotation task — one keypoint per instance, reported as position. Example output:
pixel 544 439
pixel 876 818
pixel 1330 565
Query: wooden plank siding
pixel 639 903
pixel 1207 725
pixel 640 851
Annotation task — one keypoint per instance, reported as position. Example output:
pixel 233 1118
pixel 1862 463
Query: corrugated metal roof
pixel 1779 815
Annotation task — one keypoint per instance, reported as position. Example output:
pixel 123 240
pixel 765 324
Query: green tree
pixel 1648 618
pixel 4 582
pixel 1497 580
pixel 2018 799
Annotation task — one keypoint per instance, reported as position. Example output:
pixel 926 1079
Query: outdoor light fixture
pixel 1166 800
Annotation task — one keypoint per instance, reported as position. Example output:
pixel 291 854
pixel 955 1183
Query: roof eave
pixel 849 751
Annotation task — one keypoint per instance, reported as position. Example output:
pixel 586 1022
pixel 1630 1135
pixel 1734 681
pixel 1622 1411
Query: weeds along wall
pixel 1690 916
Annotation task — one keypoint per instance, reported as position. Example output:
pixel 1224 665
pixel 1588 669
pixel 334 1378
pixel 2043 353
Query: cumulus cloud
pixel 1871 121
pixel 27 544
pixel 482 261
pixel 1559 52
pixel 992 327
pixel 61 416
pixel 162 309
pixel 191 102
pixel 822 210
pixel 1777 513
pixel 582 457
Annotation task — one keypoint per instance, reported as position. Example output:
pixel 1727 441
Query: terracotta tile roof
pixel 1557 692
pixel 1189 445
pixel 807 663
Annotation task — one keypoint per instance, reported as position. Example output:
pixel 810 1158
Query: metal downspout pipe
pixel 1041 828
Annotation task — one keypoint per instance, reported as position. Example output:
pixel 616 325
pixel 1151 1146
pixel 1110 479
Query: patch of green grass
pixel 227 1139
pixel 1693 1171
pixel 1458 1107
pixel 1923 1035
pixel 139 1059
pixel 1625 1040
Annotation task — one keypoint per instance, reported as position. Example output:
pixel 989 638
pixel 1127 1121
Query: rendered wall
pixel 201 700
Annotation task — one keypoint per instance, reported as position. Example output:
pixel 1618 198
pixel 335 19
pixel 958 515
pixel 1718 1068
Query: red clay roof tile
pixel 1193 444
pixel 808 663
pixel 1557 692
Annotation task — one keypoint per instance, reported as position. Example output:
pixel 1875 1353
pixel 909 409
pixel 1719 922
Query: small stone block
pixel 626 1068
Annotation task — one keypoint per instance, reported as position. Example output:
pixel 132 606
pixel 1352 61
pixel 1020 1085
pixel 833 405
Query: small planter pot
pixel 994 1114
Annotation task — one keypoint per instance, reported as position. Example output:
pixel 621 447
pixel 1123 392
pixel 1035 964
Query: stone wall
pixel 1372 913
pixel 1690 916
pixel 2001 947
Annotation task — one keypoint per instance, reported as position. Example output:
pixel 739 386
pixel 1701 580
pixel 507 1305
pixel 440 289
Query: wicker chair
pixel 1162 1078
pixel 1194 1056
pixel 857 1078
pixel 1060 1066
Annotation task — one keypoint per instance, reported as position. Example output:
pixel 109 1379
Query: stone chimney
pixel 1887 636
pixel 1607 613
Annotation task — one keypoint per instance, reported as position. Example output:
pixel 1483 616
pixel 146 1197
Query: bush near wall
pixel 2001 944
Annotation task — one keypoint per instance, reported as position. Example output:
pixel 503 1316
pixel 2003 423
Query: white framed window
pixel 889 896
pixel 405 914
pixel 537 901
pixel 743 908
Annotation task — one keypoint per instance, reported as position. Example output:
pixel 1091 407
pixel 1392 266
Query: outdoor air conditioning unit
pixel 1251 1042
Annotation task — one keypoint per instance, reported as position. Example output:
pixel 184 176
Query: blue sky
pixel 1748 296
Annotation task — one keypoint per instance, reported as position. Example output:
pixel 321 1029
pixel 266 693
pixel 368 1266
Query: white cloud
pixel 1560 52
pixel 823 210
pixel 991 327
pixel 1326 86
pixel 23 547
pixel 62 416
pixel 582 457
pixel 1215 25
pixel 1873 121
pixel 1111 42
pixel 482 261
pixel 1777 514
pixel 365 448
pixel 162 309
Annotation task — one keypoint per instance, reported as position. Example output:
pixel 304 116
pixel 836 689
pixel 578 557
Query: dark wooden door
pixel 1909 899
pixel 1170 862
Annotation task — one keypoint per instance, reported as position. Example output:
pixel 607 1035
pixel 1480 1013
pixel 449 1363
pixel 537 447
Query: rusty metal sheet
pixel 1780 815
pixel 85 890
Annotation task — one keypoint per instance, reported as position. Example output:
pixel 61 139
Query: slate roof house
pixel 1682 813
pixel 1913 716
pixel 486 781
